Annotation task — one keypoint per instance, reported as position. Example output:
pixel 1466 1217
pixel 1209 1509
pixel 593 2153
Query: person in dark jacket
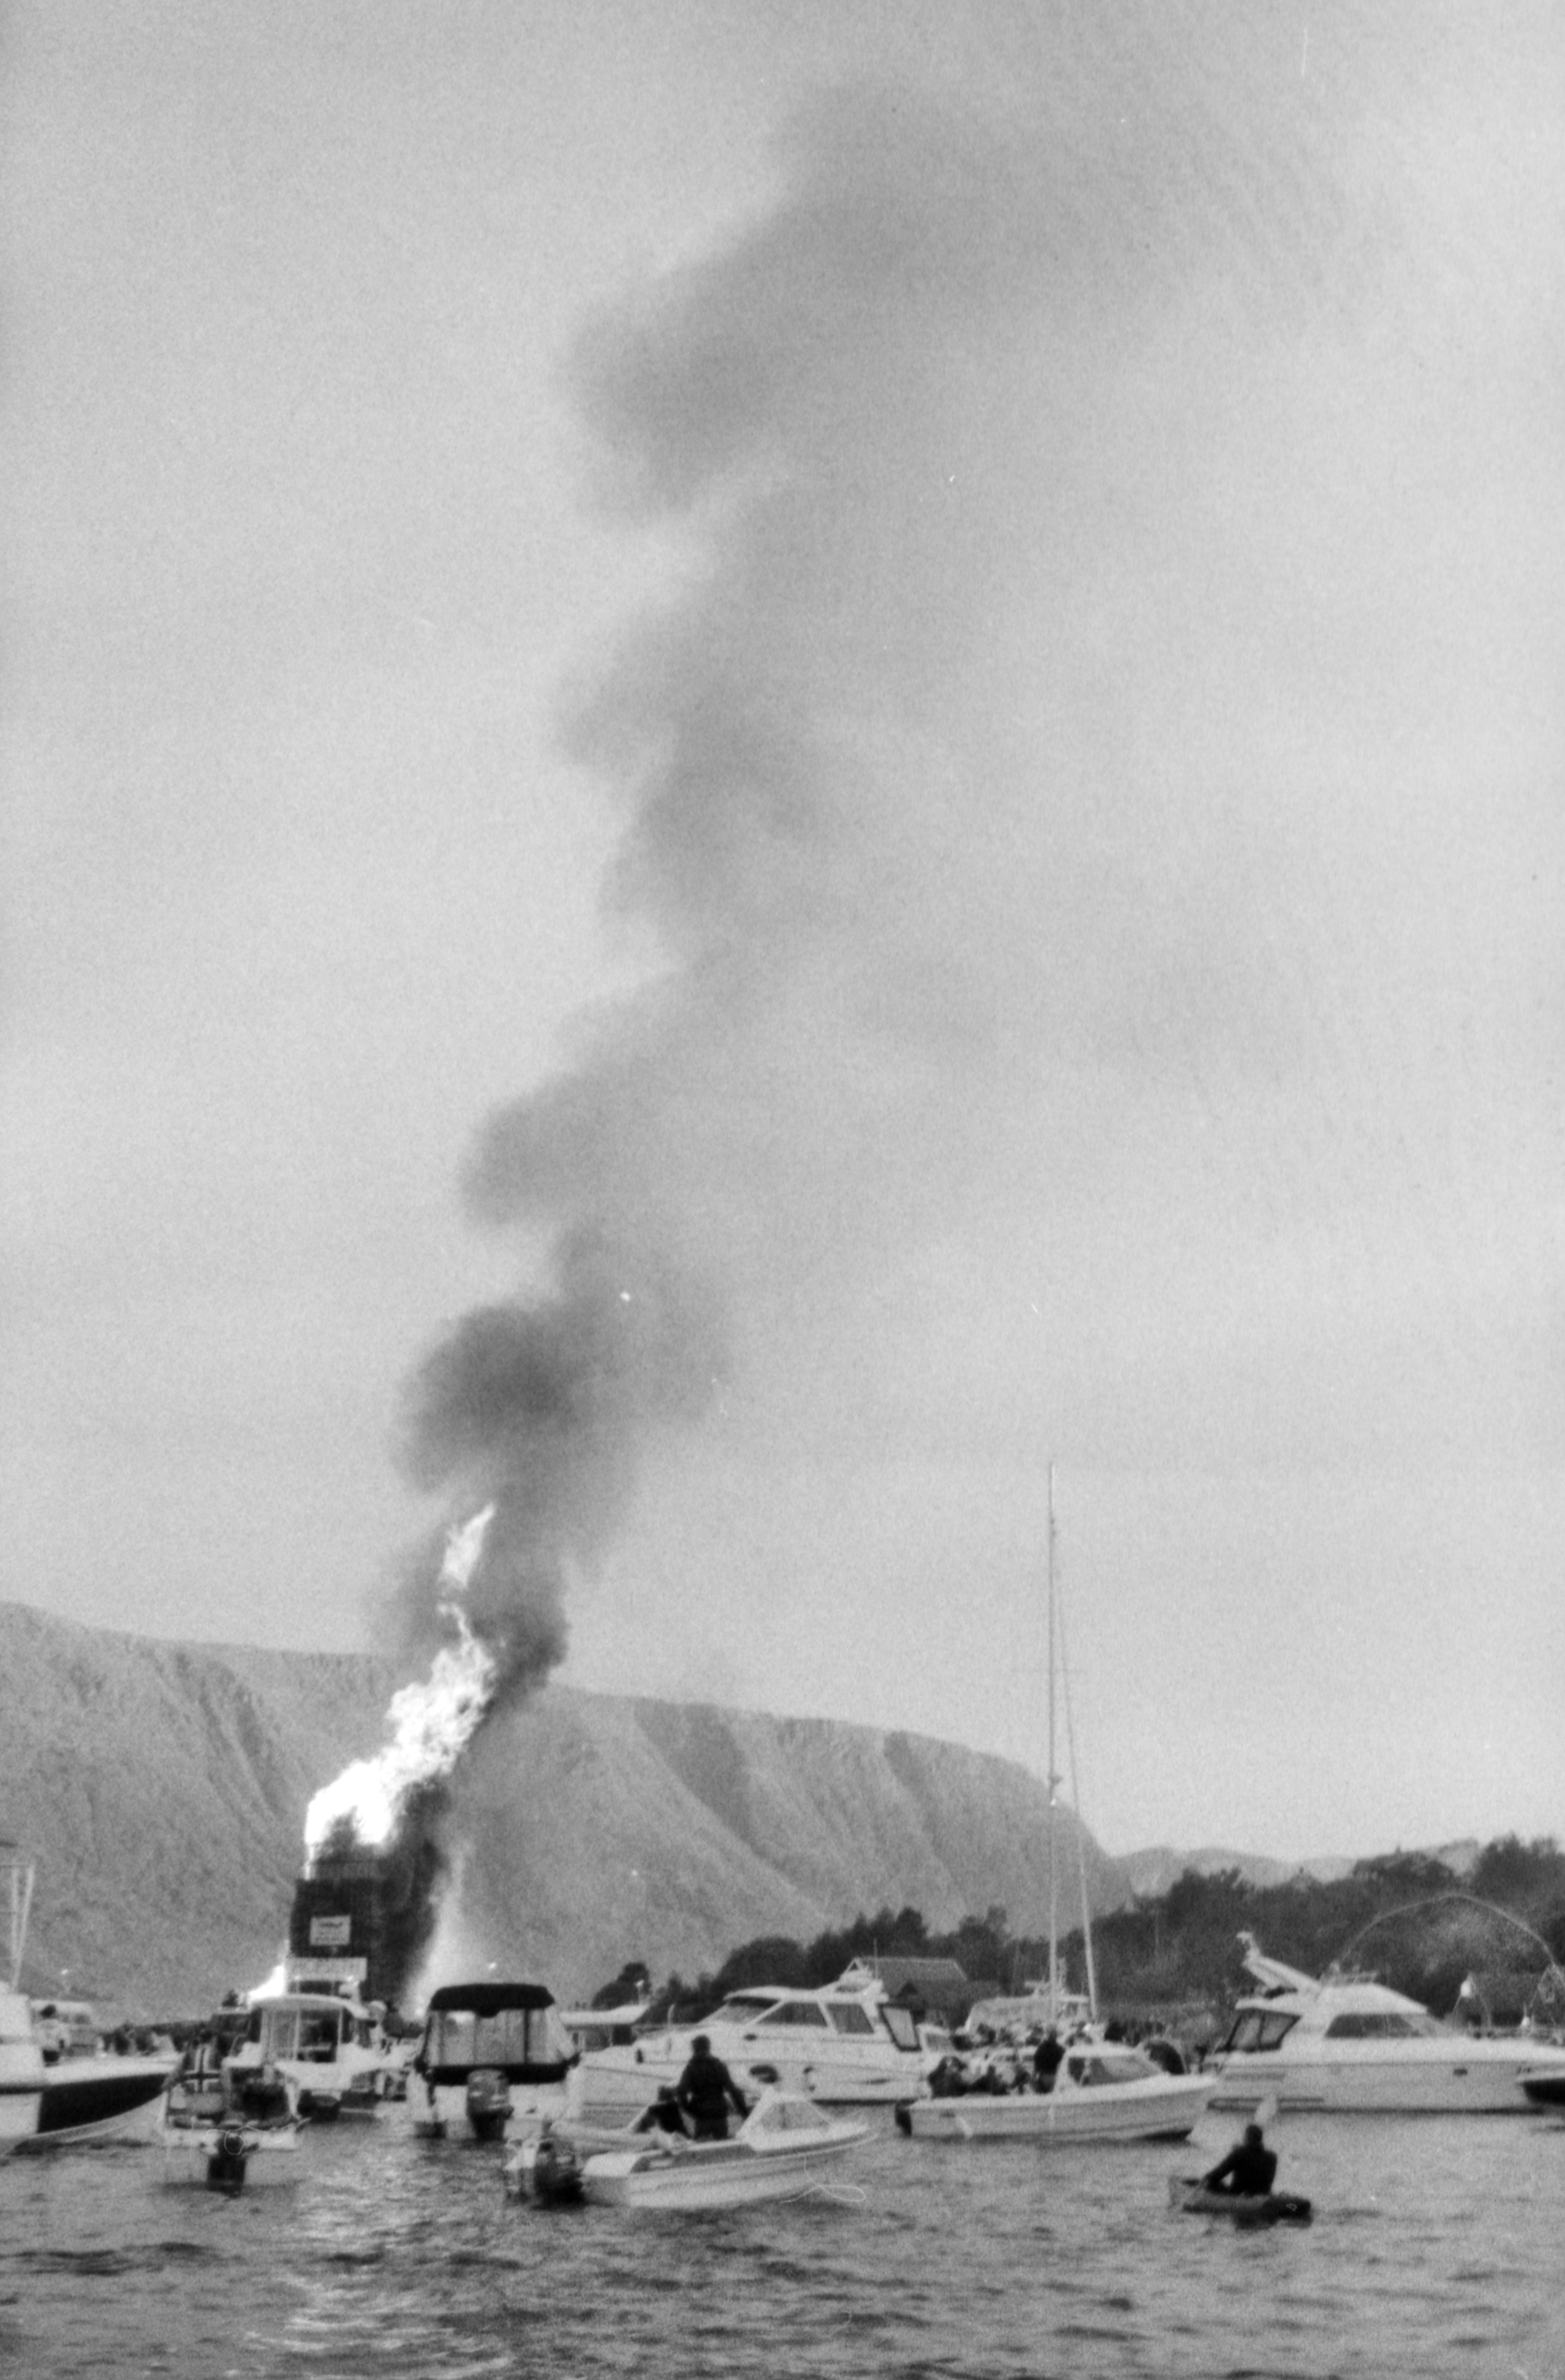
pixel 1046 2060
pixel 1249 2169
pixel 706 2089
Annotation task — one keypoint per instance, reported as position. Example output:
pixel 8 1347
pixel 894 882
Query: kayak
pixel 1191 2195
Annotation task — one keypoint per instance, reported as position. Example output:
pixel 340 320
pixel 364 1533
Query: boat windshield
pixel 744 2008
pixel 1383 2025
pixel 1111 2066
pixel 601 2036
pixel 901 2024
pixel 513 2037
pixel 1257 2029
pixel 851 2016
pixel 785 2115
pixel 311 2033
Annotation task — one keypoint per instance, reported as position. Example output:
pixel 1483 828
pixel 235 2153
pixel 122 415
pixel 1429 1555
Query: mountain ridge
pixel 162 1788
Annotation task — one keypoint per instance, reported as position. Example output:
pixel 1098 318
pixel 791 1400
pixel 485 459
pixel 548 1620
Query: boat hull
pixel 701 2176
pixel 1167 2109
pixel 1191 2197
pixel 1483 2078
pixel 83 2100
pixel 230 2156
pixel 440 2111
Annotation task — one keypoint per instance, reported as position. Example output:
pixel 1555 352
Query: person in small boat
pixel 1046 2059
pixel 663 2115
pixel 1248 2171
pixel 706 2089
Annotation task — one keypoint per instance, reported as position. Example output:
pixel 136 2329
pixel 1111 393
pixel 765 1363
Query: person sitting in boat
pixel 1046 2059
pixel 706 2089
pixel 663 2115
pixel 1248 2171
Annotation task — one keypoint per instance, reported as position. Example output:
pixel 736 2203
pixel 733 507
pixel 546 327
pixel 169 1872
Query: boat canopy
pixel 488 2000
pixel 515 2028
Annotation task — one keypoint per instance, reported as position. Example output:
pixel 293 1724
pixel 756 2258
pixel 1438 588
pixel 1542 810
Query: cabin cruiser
pixel 327 2046
pixel 1101 2091
pixel 844 2045
pixel 1344 2044
pixel 491 2056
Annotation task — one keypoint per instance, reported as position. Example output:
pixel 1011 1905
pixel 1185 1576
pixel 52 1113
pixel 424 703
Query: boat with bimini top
pixel 492 2057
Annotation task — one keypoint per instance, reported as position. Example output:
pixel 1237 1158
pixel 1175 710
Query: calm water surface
pixel 1438 2247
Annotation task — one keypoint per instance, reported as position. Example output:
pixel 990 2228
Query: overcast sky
pixel 899 664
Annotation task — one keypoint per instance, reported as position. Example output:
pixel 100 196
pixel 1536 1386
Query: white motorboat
pixel 492 2057
pixel 53 2095
pixel 1343 2044
pixel 327 2046
pixel 210 2140
pixel 786 2148
pixel 547 2164
pixel 1100 2092
pixel 844 2045
pixel 232 2157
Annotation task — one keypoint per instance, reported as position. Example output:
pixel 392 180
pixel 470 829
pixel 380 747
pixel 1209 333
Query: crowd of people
pixel 987 2059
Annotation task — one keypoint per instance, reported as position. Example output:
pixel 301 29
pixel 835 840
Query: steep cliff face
pixel 162 1789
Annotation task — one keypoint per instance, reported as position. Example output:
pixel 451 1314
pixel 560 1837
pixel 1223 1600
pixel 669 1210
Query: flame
pixel 272 1986
pixel 429 1722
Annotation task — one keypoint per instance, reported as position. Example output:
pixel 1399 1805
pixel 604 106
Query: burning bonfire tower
pixel 365 1906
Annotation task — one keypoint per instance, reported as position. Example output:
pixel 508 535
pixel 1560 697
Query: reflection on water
pixel 1437 2249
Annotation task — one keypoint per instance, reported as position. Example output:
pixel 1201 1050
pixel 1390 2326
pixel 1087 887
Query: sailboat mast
pixel 1053 1780
pixel 18 1872
pixel 1077 1810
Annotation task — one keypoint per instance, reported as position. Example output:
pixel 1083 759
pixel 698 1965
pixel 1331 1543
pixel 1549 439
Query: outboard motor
pixel 489 2102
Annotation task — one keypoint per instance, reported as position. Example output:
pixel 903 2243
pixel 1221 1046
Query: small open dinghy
pixel 1190 2194
pixel 785 2147
pixel 214 2138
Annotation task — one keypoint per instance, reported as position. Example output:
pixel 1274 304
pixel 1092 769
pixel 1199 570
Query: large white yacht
pixel 844 2044
pixel 1344 2044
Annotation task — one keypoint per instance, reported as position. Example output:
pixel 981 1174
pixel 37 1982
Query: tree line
pixel 1418 1923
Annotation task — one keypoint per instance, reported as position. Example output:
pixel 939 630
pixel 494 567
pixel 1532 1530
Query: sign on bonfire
pixel 330 1933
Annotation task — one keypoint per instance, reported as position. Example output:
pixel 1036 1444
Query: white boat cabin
pixel 330 2050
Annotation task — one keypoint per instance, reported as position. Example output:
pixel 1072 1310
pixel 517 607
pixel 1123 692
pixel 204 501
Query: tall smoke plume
pixel 1013 783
